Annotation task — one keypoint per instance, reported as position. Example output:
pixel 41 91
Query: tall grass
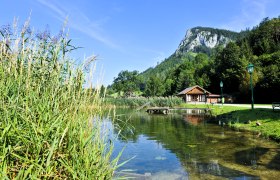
pixel 140 101
pixel 46 127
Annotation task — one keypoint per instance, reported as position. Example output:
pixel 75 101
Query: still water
pixel 182 145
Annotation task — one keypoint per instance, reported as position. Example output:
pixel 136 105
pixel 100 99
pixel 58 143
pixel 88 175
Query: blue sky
pixel 134 34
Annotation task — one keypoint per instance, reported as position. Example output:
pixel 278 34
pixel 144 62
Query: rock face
pixel 202 39
pixel 196 40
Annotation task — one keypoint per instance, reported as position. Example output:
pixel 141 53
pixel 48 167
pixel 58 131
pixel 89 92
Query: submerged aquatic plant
pixel 46 128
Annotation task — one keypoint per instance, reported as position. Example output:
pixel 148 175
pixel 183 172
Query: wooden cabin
pixel 214 98
pixel 198 94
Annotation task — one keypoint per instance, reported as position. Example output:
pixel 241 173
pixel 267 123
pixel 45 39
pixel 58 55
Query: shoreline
pixel 262 120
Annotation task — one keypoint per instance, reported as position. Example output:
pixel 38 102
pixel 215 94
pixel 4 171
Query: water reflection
pixel 184 146
pixel 194 116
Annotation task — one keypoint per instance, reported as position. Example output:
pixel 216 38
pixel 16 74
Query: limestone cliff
pixel 201 39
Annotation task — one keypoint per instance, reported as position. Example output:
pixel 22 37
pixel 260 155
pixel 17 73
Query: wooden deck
pixel 158 110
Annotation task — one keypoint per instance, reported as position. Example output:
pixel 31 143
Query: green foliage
pixel 140 101
pixel 154 86
pixel 270 70
pixel 189 73
pixel 260 46
pixel 265 38
pixel 268 84
pixel 162 68
pixel 46 127
pixel 231 67
pixel 127 82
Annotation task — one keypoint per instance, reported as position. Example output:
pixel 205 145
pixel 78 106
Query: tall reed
pixel 46 128
pixel 171 101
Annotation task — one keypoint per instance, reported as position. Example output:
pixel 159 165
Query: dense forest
pixel 259 46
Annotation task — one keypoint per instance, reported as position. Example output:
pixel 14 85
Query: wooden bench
pixel 275 104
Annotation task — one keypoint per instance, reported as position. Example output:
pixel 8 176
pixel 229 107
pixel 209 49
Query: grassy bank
pixel 140 101
pixel 245 119
pixel 46 130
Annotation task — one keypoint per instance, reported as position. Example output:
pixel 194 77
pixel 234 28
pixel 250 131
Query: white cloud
pixel 79 21
pixel 251 13
pixel 59 13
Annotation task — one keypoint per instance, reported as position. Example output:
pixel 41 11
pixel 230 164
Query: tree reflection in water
pixel 189 144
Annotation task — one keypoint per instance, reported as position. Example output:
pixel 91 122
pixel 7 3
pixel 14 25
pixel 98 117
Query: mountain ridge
pixel 197 40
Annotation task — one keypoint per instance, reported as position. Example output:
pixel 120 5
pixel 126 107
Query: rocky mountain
pixel 203 39
pixel 196 40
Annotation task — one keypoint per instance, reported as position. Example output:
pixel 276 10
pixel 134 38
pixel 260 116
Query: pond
pixel 182 145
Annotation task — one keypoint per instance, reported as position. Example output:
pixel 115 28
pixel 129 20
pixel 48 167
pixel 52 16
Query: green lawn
pixel 246 119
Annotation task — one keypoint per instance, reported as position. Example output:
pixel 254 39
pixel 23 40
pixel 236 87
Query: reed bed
pixel 140 101
pixel 46 129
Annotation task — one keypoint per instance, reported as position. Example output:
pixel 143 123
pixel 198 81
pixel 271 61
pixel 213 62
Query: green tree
pixel 265 38
pixel 201 60
pixel 168 84
pixel 201 66
pixel 270 77
pixel 127 82
pixel 230 67
pixel 182 76
pixel 154 86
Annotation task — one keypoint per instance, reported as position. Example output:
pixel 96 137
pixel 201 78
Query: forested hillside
pixel 197 40
pixel 225 62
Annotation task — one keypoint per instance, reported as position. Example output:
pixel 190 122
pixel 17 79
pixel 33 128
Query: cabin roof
pixel 185 91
